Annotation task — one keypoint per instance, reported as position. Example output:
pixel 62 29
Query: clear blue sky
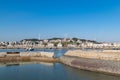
pixel 89 19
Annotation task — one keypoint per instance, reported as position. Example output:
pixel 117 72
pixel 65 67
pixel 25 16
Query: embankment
pixel 27 57
pixel 105 62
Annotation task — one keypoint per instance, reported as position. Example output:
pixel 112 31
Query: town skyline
pixel 58 43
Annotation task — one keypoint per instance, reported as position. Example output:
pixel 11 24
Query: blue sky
pixel 89 19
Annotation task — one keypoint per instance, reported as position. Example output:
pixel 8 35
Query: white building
pixel 72 46
pixel 59 45
pixel 50 45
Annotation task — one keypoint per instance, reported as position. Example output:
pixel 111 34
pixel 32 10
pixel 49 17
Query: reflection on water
pixel 49 71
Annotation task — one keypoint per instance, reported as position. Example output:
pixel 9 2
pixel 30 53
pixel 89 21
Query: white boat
pixel 30 49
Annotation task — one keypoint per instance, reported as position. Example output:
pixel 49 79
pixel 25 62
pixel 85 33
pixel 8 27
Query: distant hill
pixel 30 40
pixel 84 40
pixel 75 39
pixel 55 38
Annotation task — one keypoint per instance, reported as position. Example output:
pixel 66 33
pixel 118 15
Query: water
pixel 48 71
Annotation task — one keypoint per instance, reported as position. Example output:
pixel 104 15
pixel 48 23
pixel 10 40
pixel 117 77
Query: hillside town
pixel 58 43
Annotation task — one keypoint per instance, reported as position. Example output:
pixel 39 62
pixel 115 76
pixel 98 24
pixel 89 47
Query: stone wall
pixel 105 61
pixel 103 55
pixel 105 66
pixel 6 57
pixel 27 54
pixel 2 54
pixel 111 51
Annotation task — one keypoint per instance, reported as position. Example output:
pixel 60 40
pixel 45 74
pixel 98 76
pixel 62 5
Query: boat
pixel 30 49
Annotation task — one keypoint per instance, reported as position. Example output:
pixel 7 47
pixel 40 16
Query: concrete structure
pixel 27 54
pixel 27 57
pixel 3 54
pixel 106 62
pixel 103 66
pixel 103 55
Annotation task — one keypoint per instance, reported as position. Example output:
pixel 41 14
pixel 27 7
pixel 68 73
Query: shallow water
pixel 49 71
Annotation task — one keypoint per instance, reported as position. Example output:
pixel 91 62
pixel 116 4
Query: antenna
pixel 39 36
pixel 66 36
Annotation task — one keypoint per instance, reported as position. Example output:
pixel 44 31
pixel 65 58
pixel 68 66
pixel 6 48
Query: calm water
pixel 48 71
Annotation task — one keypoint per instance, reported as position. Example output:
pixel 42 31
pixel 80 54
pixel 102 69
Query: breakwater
pixel 105 61
pixel 27 56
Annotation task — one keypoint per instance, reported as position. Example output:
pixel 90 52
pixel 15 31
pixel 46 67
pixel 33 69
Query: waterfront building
pixel 72 46
pixel 50 45
pixel 45 41
pixel 59 45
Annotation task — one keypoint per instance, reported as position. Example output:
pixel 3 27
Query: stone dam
pixel 107 61
pixel 6 57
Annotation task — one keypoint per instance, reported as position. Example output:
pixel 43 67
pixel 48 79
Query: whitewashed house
pixel 59 45
pixel 50 45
